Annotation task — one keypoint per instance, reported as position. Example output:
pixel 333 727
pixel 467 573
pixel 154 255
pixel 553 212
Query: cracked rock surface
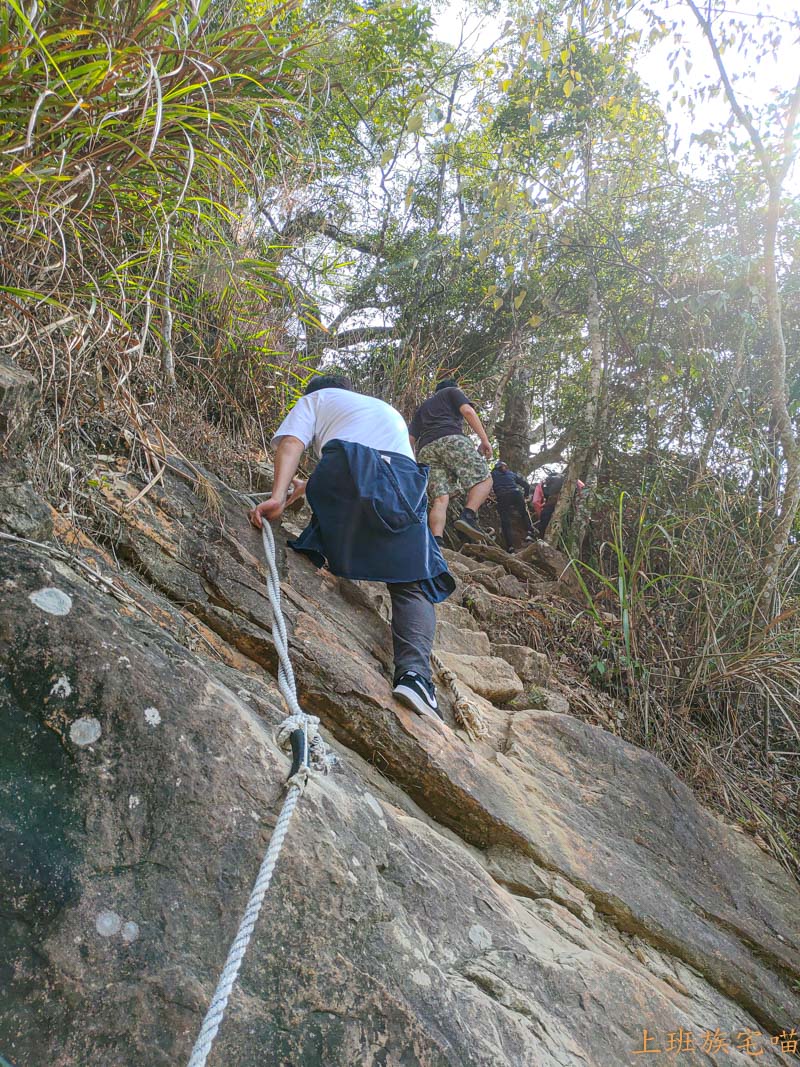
pixel 538 898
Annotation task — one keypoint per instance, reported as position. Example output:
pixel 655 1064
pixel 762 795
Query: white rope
pixel 230 971
pixel 467 713
pixel 318 758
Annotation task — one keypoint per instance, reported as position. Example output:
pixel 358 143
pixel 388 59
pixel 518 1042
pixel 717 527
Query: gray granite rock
pixel 19 395
pixel 536 899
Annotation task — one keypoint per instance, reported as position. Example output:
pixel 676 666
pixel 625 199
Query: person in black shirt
pixel 546 496
pixel 510 491
pixel 436 432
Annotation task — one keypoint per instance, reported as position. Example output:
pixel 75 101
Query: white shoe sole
pixel 415 702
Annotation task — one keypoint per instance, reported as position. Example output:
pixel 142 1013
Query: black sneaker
pixel 467 524
pixel 439 540
pixel 412 690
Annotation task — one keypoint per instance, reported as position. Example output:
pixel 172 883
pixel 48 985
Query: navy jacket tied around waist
pixel 369 519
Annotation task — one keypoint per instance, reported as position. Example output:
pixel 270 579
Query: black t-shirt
pixel 438 416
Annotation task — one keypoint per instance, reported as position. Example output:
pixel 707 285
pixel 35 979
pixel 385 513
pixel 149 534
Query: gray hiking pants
pixel 413 628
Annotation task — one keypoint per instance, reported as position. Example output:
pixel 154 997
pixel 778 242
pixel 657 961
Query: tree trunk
pixel 585 452
pixel 718 414
pixel 513 433
pixel 781 418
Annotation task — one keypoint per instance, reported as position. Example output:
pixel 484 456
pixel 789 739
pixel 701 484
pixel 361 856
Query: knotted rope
pixel 316 757
pixel 467 714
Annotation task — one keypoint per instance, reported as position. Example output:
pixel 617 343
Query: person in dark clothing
pixel 510 491
pixel 545 500
pixel 436 432
pixel 551 490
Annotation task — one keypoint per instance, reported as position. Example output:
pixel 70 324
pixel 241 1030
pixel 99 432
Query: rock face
pixel 530 666
pixel 488 676
pixel 452 638
pixel 22 512
pixel 18 394
pixel 541 898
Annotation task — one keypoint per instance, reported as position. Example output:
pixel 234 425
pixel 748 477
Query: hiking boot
pixel 467 524
pixel 412 690
pixel 439 540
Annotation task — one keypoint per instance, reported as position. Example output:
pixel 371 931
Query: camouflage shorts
pixel 455 464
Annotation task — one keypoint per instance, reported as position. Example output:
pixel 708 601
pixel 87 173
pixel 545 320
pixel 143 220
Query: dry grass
pixel 135 138
pixel 726 768
pixel 672 632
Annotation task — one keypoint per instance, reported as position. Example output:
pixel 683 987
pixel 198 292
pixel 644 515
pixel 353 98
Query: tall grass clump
pixel 136 139
pixel 673 597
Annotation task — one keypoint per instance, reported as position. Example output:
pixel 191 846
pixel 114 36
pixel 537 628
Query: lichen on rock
pixel 533 899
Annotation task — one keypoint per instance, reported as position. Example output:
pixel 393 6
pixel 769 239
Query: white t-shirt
pixel 329 414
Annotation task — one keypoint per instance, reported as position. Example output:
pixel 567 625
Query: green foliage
pixel 137 137
pixel 630 585
pixel 673 594
pixel 227 199
pixel 677 574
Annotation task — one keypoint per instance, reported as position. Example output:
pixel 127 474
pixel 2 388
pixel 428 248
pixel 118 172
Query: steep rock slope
pixel 540 897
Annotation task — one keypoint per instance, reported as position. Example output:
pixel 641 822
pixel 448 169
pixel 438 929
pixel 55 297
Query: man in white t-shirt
pixel 369 522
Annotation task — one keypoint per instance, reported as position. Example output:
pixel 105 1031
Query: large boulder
pixel 22 511
pixel 19 394
pixel 451 638
pixel 540 898
pixel 531 666
pixel 541 555
pixel 489 676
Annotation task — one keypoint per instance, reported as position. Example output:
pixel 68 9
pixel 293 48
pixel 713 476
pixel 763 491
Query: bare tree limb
pixel 742 115
pixel 308 222
pixel 553 453
pixel 360 335
pixel 780 418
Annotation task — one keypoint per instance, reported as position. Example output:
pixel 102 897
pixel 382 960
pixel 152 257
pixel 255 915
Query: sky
pixel 755 86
